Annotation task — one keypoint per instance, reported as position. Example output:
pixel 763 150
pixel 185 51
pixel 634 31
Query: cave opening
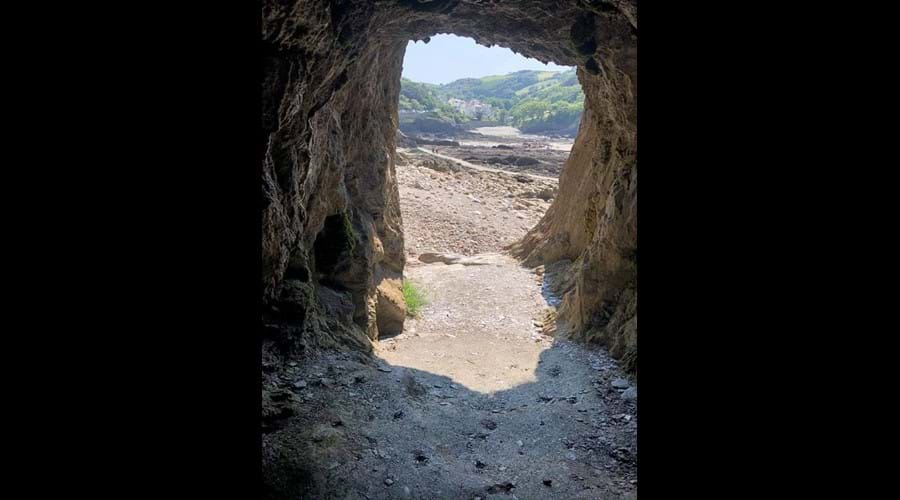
pixel 483 135
pixel 495 122
pixel 335 108
pixel 333 247
pixel 354 207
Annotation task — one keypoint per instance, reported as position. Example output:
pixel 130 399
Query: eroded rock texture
pixel 593 221
pixel 332 233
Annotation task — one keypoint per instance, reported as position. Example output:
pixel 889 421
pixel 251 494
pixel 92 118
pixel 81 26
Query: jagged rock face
pixel 331 217
pixel 593 220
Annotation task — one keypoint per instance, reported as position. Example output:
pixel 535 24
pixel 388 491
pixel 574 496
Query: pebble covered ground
pixel 473 400
pixel 448 208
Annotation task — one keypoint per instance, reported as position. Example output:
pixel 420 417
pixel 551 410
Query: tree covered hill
pixel 533 101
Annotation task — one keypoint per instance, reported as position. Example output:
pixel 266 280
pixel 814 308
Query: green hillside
pixel 429 112
pixel 497 87
pixel 533 101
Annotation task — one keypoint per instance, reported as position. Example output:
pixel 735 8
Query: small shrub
pixel 414 298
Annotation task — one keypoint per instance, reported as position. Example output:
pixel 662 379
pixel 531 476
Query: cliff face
pixel 332 232
pixel 593 221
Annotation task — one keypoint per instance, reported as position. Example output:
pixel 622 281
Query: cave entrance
pixel 483 134
pixel 477 359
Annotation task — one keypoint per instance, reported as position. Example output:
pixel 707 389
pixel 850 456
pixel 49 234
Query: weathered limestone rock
pixel 593 218
pixel 330 208
pixel 446 258
pixel 390 309
pixel 451 259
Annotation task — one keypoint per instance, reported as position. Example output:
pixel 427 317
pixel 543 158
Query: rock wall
pixel 593 221
pixel 332 232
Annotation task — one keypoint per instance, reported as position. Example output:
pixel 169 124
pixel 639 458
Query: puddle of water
pixel 556 146
pixel 498 131
pixel 562 146
pixel 514 133
pixel 485 144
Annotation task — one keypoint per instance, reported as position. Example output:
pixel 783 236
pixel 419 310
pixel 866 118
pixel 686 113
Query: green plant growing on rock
pixel 414 298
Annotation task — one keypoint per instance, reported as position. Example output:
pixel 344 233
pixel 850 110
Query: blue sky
pixel 449 57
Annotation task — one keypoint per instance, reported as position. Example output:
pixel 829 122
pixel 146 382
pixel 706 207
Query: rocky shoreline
pixel 538 155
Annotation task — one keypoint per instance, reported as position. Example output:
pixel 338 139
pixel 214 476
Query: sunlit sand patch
pixel 484 367
pixel 479 328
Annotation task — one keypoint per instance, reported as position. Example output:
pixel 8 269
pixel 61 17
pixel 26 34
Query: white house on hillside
pixel 473 108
